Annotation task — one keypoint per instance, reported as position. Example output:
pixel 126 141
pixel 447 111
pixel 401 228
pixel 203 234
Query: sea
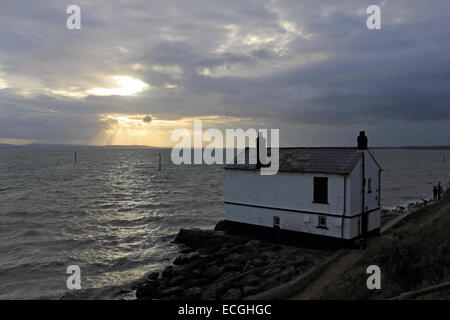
pixel 115 215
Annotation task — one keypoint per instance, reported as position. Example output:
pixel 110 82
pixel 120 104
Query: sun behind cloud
pixel 148 130
pixel 126 86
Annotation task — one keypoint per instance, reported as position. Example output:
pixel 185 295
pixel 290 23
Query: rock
pixel 251 290
pixel 252 244
pixel 233 266
pixel 214 272
pixel 195 283
pixel 209 251
pixel 258 262
pixel 220 226
pixel 177 280
pixel 276 247
pixel 200 238
pixel 301 262
pixel 232 294
pixel 250 280
pixel 196 273
pixel 271 282
pixel 248 266
pixel 153 276
pixel 193 293
pixel 268 272
pixel 148 290
pixel 167 273
pixel 210 293
pixel 174 291
pixel 172 297
pixel 287 273
pixel 214 291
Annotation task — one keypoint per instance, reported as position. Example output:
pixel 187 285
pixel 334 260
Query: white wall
pixel 356 184
pixel 284 190
pixel 293 221
pixel 371 170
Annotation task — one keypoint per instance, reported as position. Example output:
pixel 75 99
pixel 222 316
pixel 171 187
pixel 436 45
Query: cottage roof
pixel 314 160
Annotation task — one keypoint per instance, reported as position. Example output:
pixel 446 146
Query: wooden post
pixel 75 157
pixel 159 168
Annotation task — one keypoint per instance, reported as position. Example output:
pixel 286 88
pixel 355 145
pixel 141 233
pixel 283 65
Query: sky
pixel 139 69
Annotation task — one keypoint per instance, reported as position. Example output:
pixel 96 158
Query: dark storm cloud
pixel 282 63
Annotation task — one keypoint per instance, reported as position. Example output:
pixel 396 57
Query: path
pixel 343 263
pixel 313 290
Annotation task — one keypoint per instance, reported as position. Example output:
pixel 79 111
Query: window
pixel 322 223
pixel 369 185
pixel 320 190
pixel 276 222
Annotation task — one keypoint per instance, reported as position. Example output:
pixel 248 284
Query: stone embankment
pixel 215 265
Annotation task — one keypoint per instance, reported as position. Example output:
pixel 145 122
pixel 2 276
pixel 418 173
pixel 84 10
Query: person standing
pixel 435 192
pixel 439 191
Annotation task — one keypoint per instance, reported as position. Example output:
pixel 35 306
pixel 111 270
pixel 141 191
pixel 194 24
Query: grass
pixel 414 254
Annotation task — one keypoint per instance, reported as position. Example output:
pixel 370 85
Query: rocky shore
pixel 217 266
pixel 214 265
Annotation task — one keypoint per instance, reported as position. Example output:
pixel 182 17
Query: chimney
pixel 362 141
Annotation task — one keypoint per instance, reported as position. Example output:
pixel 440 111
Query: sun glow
pixel 3 84
pixel 126 86
pixel 147 130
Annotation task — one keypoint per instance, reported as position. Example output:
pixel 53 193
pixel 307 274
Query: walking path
pixel 343 263
pixel 329 275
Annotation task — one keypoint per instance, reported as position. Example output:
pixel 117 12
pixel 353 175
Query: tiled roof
pixel 317 160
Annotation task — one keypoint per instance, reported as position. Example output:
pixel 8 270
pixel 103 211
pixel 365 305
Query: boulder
pixel 173 291
pixel 232 294
pixel 176 281
pixel 153 276
pixel 148 290
pixel 214 291
pixel 233 266
pixel 258 262
pixel 271 282
pixel 195 282
pixel 251 290
pixel 214 272
pixel 252 244
pixel 167 273
pixel 287 273
pixel 200 238
pixel 250 280
pixel 193 293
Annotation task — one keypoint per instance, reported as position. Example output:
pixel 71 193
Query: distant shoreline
pixel 37 145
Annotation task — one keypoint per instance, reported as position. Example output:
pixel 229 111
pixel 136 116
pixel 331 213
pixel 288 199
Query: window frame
pixel 321 225
pixel 276 222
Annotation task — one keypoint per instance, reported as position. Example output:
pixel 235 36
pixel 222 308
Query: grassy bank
pixel 412 255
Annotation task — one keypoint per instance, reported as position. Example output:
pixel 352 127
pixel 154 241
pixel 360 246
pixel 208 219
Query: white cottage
pixel 320 196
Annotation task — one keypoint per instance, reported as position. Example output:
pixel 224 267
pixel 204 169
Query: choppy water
pixel 409 175
pixel 115 215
